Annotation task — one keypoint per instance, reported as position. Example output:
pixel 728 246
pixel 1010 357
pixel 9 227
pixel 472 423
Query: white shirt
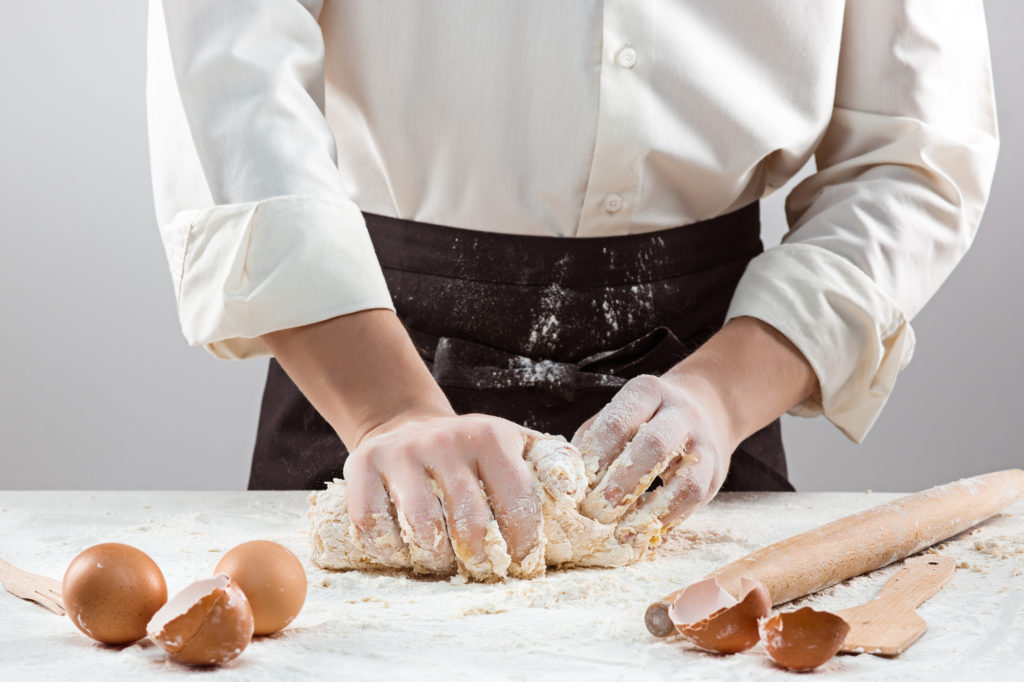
pixel 273 123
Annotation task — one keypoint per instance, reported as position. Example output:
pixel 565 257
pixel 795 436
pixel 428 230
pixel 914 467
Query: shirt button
pixel 612 203
pixel 627 58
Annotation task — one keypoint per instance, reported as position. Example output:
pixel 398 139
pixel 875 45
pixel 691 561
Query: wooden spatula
pixel 888 624
pixel 40 589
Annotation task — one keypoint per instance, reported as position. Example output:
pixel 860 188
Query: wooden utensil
pixel 888 624
pixel 861 542
pixel 40 589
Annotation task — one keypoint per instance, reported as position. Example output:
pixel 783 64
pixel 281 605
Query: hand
pixel 400 471
pixel 685 425
pixel 674 427
pixel 408 451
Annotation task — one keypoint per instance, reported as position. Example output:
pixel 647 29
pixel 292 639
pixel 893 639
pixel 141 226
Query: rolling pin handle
pixel 657 620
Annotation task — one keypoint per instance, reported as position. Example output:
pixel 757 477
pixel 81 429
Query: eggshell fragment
pixel 803 639
pixel 707 615
pixel 111 590
pixel 273 580
pixel 208 623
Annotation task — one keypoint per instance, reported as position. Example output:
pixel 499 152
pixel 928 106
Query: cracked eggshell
pixel 272 578
pixel 111 590
pixel 208 623
pixel 707 615
pixel 803 639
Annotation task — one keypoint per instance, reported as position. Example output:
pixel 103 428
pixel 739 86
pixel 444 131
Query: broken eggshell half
pixel 707 615
pixel 210 622
pixel 803 639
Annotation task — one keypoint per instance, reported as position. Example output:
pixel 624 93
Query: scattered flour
pixel 567 624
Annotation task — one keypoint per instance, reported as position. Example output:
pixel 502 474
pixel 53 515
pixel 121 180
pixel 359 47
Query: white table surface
pixel 568 625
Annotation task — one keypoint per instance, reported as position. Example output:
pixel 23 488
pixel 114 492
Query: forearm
pixel 753 370
pixel 363 374
pixel 359 371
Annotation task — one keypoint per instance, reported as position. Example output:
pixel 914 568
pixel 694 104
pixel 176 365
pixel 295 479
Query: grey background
pixel 99 390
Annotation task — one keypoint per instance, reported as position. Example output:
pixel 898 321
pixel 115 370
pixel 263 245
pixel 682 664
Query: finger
pixel 421 521
pixel 617 423
pixel 689 486
pixel 658 442
pixel 372 515
pixel 558 466
pixel 476 539
pixel 515 498
pixel 581 432
pixel 689 483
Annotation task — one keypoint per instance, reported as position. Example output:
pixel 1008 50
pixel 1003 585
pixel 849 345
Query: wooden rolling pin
pixel 861 542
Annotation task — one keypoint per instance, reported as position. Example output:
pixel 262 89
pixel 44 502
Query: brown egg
pixel 111 591
pixel 207 623
pixel 707 615
pixel 803 639
pixel 272 578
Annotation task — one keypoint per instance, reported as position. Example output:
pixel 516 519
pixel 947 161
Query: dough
pixel 567 538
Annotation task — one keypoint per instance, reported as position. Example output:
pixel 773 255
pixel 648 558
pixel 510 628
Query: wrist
pixel 751 371
pixel 359 371
pixel 402 394
pixel 399 415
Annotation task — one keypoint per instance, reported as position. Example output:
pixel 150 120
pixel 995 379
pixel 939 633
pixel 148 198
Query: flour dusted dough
pixel 568 537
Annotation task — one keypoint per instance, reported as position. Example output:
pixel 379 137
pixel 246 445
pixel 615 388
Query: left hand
pixel 685 425
pixel 676 427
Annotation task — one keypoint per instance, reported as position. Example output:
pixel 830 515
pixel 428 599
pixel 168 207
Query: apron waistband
pixel 458 363
pixel 459 253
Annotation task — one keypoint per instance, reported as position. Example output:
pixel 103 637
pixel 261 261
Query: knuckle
pixel 645 383
pixel 693 486
pixel 401 457
pixel 462 486
pixel 491 435
pixel 422 520
pixel 358 463
pixel 577 437
pixel 351 470
pixel 438 439
pixel 616 487
pixel 523 507
pixel 364 521
pixel 468 509
pixel 521 491
pixel 525 484
pixel 660 444
pixel 617 424
pixel 467 522
pixel 474 518
pixel 690 490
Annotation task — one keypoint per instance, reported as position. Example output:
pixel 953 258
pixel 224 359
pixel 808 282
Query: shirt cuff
pixel 242 270
pixel 855 337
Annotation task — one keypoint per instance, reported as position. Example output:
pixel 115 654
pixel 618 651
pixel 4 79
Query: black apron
pixel 539 330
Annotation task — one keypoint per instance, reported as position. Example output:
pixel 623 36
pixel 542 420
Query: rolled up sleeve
pixel 258 230
pixel 903 175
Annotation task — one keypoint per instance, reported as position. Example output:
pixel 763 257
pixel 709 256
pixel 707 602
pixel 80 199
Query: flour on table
pixel 580 623
pixel 567 537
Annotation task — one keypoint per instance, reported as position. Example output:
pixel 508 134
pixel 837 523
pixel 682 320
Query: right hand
pixel 391 476
pixel 403 436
